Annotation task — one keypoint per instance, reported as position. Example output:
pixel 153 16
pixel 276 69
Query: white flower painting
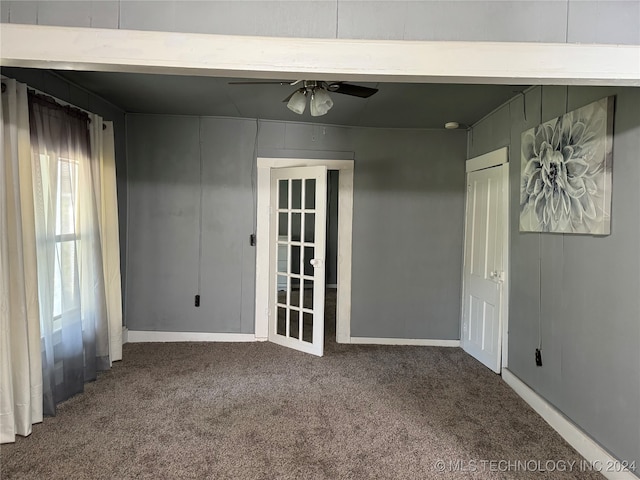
pixel 566 172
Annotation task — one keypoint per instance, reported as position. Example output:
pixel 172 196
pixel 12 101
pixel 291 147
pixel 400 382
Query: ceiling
pixel 396 105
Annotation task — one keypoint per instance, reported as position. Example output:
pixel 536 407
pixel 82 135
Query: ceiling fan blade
pixel 353 90
pixel 264 83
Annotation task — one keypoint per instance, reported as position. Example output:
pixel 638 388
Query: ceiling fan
pixel 318 91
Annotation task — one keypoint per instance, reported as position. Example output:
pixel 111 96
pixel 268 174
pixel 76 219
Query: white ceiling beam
pixel 112 50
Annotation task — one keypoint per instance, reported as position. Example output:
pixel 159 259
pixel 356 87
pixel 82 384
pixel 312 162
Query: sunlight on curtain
pixel 73 312
pixel 105 191
pixel 20 354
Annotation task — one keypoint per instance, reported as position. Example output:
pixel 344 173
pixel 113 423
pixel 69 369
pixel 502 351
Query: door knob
pixel 316 262
pixel 496 276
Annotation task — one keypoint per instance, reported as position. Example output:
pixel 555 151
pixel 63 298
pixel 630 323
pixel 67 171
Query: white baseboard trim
pixel 140 336
pixel 597 456
pixel 125 335
pixel 424 342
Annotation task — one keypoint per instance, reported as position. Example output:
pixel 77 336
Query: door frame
pixel 345 223
pixel 493 159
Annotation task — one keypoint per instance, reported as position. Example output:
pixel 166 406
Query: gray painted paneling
pixel 406 268
pixel 407 234
pixel 64 13
pixel 310 19
pixel 263 18
pixel 164 188
pixel 105 14
pixel 381 20
pixel 162 266
pixel 588 293
pixel 228 261
pixel 487 136
pixel 495 21
pixel 4 12
pixel 21 11
pixel 602 21
pixel 507 21
pixel 148 15
pixel 79 97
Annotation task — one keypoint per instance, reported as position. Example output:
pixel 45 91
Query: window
pixel 66 295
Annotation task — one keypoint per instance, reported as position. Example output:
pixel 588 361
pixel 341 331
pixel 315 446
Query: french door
pixel 298 209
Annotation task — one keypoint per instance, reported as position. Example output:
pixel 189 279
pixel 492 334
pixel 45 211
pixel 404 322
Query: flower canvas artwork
pixel 566 172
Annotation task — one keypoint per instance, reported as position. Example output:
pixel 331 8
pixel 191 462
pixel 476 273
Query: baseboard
pixel 139 336
pixel 597 456
pixel 125 335
pixel 424 342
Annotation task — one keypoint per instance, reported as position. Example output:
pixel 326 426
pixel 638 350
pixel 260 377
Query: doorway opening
pixel 331 271
pixel 485 282
pixel 281 260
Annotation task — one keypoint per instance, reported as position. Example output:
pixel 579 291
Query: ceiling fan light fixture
pixel 320 102
pixel 298 102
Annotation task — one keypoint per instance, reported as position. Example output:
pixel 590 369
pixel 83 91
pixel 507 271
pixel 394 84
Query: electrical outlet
pixel 197 302
pixel 538 358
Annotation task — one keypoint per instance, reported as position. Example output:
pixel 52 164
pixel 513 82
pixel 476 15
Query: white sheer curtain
pixel 73 309
pixel 20 351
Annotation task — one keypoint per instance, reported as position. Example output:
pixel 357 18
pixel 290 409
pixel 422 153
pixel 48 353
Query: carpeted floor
pixel 260 411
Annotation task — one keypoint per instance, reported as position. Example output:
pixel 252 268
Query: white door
pixel 485 264
pixel 298 210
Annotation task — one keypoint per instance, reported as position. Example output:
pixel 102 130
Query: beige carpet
pixel 260 411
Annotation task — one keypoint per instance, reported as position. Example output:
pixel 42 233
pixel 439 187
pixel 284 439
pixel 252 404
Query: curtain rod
pixel 54 100
pixel 49 100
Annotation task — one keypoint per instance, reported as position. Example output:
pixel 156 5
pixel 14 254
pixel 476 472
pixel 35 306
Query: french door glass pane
pixel 309 227
pixel 296 194
pixel 308 256
pixel 295 259
pixel 283 226
pixel 295 292
pixel 307 327
pixel 308 294
pixel 310 194
pixel 283 194
pixel 294 323
pixel 281 324
pixel 296 221
pixel 282 259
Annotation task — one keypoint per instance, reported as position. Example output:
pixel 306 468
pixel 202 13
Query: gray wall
pixel 164 215
pixel 572 21
pixel 55 86
pixel 407 230
pixel 584 290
